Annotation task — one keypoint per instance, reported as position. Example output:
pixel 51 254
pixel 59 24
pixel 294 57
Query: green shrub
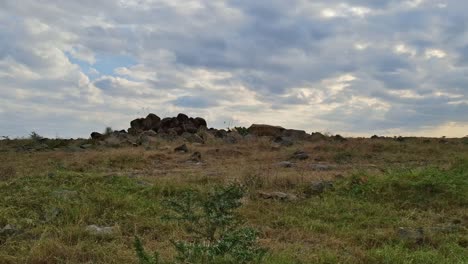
pixel 242 130
pixel 35 136
pixel 215 229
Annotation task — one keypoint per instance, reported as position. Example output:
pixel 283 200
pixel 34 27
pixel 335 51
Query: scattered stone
pixel 283 141
pixel 98 230
pixel 196 157
pixel 65 194
pixel 277 196
pixel 286 164
pixel 321 167
pixel 415 235
pixel 192 138
pixel 318 187
pixel 181 148
pixel 8 230
pixel 300 155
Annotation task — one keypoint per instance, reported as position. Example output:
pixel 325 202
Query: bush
pixel 215 229
pixel 35 136
pixel 242 130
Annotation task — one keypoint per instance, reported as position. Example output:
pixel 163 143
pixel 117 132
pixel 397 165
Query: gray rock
pixel 415 235
pixel 318 187
pixel 283 141
pixel 192 138
pixel 300 155
pixel 98 230
pixel 277 196
pixel 321 167
pixel 286 164
pixel 181 148
pixel 8 230
pixel 65 194
pixel 196 157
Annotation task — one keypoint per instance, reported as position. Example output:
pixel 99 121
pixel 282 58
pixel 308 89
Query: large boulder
pixel 200 122
pixel 151 122
pixel 265 130
pixel 295 134
pixel 189 127
pixel 182 118
pixel 97 136
pixel 137 124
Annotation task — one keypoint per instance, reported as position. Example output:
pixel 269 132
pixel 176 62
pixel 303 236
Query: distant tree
pixel 35 136
pixel 108 131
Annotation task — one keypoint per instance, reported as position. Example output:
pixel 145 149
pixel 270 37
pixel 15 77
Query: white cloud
pixel 435 53
pixel 313 65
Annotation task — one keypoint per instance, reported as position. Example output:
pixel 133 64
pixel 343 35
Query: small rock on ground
pixel 318 187
pixel 286 164
pixel 321 167
pixel 181 148
pixel 98 230
pixel 196 157
pixel 300 155
pixel 415 235
pixel 8 230
pixel 278 196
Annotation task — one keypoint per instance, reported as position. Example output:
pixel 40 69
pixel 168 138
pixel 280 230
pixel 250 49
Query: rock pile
pixel 169 125
pixel 145 131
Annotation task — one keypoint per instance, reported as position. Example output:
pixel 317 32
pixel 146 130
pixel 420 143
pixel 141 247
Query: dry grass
pixel 124 187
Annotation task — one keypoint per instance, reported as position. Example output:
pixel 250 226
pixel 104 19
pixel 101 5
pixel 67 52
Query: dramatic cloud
pixel 356 67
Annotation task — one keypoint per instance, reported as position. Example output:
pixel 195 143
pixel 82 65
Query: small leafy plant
pixel 215 228
pixel 242 130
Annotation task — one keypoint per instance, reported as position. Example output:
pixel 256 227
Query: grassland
pixel 392 202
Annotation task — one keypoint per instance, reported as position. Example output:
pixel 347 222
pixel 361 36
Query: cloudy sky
pixel 356 67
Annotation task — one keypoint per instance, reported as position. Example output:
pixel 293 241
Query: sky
pixel 356 67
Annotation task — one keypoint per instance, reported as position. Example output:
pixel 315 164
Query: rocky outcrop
pixel 265 130
pixel 169 125
pixel 295 134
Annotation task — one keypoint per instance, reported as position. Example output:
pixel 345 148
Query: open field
pixel 391 201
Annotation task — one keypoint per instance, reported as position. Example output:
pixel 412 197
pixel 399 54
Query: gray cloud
pixel 347 66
